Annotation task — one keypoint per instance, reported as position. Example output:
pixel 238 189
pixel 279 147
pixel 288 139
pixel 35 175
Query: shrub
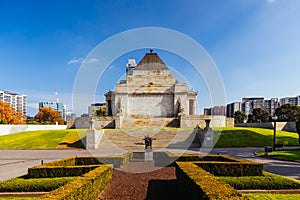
pixel 267 182
pixel 32 122
pixel 52 171
pixel 23 184
pixel 75 166
pixel 200 184
pixel 244 168
pixel 87 187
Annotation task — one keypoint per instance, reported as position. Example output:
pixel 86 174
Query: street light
pixel 274 138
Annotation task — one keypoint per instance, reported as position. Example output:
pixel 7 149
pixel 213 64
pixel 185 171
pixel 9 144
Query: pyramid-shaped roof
pixel 151 61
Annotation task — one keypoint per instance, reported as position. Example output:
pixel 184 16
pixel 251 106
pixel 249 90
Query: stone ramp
pixel 133 138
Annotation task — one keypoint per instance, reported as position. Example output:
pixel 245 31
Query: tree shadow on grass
pixel 164 189
pixel 77 144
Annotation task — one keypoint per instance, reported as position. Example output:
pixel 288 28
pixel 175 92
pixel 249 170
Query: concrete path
pixel 284 168
pixel 15 163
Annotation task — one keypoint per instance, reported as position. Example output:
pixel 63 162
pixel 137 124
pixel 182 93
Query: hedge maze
pixel 219 176
pixel 208 177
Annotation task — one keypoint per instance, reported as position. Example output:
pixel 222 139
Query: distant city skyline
pixel 254 43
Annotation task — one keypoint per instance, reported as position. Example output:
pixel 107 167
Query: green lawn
pixel 261 196
pixel 292 154
pixel 43 139
pixel 253 137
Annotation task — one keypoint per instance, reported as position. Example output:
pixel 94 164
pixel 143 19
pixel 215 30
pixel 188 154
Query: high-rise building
pixel 290 100
pixel 232 108
pixel 216 110
pixel 248 104
pixel 59 107
pixel 17 101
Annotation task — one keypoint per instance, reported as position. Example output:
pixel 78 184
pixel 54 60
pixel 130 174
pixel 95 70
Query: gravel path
pixel 158 184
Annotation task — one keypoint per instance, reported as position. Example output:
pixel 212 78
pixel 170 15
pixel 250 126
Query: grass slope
pixel 43 139
pixel 253 137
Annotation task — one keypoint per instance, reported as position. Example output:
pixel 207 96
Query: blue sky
pixel 254 43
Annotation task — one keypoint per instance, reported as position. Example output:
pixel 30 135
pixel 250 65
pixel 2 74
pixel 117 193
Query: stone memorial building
pixel 150 91
pixel 151 97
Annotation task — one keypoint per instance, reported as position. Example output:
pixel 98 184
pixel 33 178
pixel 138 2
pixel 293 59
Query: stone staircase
pixel 162 138
pixel 130 122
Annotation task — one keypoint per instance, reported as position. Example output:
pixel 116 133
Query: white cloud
pixel 91 60
pixel 82 60
pixel 75 60
pixel 271 1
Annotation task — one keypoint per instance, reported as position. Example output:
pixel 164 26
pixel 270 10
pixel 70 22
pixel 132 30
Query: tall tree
pixel 259 115
pixel 48 115
pixel 287 112
pixel 239 117
pixel 9 116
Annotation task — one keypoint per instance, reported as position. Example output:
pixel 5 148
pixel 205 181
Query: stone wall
pixel 151 105
pixel 284 126
pixel 190 121
pixel 10 129
pixel 100 122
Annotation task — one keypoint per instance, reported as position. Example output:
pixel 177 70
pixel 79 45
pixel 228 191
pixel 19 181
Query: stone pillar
pixel 93 136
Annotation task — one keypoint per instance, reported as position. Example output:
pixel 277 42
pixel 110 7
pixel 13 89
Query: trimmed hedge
pixel 87 187
pixel 243 168
pixel 63 162
pixel 267 182
pixel 200 184
pixel 168 159
pixel 64 171
pixel 33 185
pixel 117 161
pixel 75 166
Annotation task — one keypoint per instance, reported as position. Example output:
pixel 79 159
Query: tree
pixel 259 115
pixel 239 117
pixel 9 116
pixel 287 112
pixel 101 112
pixel 46 115
pixel 298 127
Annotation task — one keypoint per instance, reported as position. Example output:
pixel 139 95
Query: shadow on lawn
pixel 76 144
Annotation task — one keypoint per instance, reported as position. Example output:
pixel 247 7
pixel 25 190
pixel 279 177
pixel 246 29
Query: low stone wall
pixel 10 129
pixel 284 126
pixel 100 122
pixel 190 121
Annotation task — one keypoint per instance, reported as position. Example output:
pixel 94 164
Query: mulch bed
pixel 157 184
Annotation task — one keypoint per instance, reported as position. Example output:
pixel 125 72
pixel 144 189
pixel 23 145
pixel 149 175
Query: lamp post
pixel 274 138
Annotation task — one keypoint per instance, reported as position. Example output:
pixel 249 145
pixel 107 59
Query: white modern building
pixel 17 101
pixel 290 100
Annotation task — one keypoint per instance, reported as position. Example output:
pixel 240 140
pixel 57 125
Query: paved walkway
pixel 284 168
pixel 14 163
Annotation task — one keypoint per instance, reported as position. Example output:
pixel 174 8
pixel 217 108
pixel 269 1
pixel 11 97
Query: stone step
pixel 134 138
